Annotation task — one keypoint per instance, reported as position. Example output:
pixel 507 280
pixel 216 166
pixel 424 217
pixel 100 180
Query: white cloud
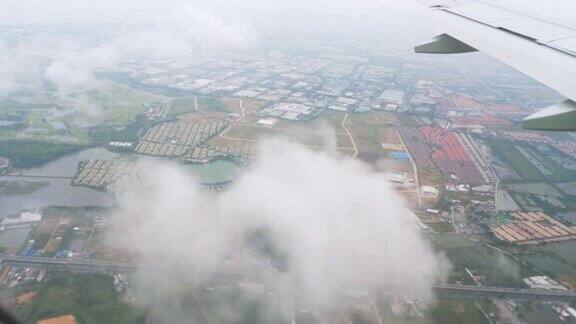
pixel 19 68
pixel 339 225
pixel 69 62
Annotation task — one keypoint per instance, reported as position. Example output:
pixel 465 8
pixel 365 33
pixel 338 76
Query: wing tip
pixel 558 117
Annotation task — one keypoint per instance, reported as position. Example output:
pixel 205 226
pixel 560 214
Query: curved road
pixel 349 135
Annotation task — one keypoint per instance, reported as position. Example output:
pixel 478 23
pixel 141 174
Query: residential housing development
pixel 110 175
pixel 173 139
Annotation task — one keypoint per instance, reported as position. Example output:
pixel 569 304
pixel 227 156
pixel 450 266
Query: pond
pixel 60 191
pixel 215 171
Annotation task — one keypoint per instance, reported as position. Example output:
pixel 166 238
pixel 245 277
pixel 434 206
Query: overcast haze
pixel 178 30
pixel 358 18
pixel 337 224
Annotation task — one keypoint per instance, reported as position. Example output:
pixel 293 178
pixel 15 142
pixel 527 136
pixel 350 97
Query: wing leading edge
pixel 539 48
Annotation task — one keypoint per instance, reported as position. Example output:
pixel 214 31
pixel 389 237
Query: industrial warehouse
pixel 533 228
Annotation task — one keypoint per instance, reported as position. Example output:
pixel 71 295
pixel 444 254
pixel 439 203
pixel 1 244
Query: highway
pixel 442 290
pixel 465 291
pixel 22 261
pixel 36 176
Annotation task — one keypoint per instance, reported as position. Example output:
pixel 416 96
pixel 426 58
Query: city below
pixel 148 203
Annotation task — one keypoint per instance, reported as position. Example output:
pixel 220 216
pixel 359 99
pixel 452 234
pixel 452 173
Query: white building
pixel 292 111
pixel 391 107
pixel 430 191
pixel 291 115
pixel 483 188
pixel 268 122
pixel 392 96
pixel 543 282
pixel 337 108
pixel 343 101
pixel 395 177
pixel 247 93
pixel 22 219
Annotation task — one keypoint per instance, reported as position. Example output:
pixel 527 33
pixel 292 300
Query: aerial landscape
pixel 224 173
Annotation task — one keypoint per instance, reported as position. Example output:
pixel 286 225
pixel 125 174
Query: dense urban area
pixel 497 200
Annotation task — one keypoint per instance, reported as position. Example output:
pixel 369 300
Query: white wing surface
pixel 536 40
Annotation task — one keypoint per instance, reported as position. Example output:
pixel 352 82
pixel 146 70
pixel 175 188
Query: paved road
pixel 39 176
pixel 349 135
pixel 22 261
pixel 242 115
pixel 414 168
pixel 452 290
pixel 504 293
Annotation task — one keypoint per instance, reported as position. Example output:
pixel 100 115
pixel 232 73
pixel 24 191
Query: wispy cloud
pixel 69 62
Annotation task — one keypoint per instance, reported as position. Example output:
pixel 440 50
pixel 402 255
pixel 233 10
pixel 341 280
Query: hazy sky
pixel 311 15
pixel 360 17
pixel 36 11
pixel 39 11
pixel 177 29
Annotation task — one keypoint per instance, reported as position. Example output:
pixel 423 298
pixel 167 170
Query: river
pixel 60 192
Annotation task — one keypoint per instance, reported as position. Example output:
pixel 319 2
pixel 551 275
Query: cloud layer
pixel 325 224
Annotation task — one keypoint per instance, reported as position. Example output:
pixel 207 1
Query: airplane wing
pixel 538 45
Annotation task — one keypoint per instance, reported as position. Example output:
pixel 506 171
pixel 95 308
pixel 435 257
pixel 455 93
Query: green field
pixel 497 268
pixel 37 125
pixel 555 259
pixel 8 105
pixel 409 121
pixel 210 104
pixel 442 227
pixel 364 129
pixel 20 187
pixel 129 133
pixel 66 121
pixel 121 104
pixel 183 105
pixel 231 305
pixel 302 132
pixel 33 153
pixel 88 297
pixel 518 162
pixel 332 118
pixel 36 119
pixel 534 188
pixel 550 168
pixel 457 311
pixel 449 241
